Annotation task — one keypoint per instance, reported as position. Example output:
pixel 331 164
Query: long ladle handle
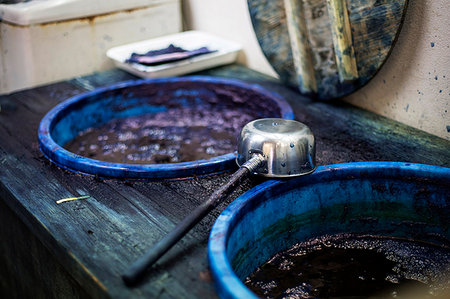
pixel 138 268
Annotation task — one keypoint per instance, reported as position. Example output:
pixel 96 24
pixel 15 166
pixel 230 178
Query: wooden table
pixel 80 248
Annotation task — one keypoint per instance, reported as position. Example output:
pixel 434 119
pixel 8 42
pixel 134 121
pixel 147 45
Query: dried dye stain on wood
pixel 374 26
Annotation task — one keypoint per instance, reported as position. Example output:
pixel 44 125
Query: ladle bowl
pixel 289 147
pixel 389 199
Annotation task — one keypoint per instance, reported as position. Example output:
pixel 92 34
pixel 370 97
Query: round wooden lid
pixel 327 48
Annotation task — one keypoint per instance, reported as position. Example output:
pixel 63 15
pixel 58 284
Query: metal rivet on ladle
pixel 270 147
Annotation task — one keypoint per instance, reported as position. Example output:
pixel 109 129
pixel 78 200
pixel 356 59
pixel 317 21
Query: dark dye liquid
pixel 177 135
pixel 355 267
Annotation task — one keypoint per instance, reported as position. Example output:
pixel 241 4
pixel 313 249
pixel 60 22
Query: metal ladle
pixel 271 147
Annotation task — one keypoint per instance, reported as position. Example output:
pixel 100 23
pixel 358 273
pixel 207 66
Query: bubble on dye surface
pixel 103 138
pixel 127 135
pixel 302 291
pixel 285 264
pixel 292 145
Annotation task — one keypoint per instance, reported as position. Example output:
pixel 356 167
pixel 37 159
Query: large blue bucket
pixel 377 198
pixel 128 99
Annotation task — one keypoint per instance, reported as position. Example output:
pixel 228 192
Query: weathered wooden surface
pixel 327 48
pixel 95 239
pixel 28 269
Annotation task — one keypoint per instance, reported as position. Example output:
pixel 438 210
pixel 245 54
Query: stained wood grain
pixel 342 40
pixel 300 46
pixel 95 239
pixel 23 255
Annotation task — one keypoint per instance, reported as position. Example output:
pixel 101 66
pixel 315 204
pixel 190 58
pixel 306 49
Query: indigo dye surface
pixel 175 135
pixel 356 267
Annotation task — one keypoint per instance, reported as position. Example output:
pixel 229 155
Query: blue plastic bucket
pixel 378 198
pixel 92 109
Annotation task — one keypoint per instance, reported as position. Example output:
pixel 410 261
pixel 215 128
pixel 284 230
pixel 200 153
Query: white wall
pixel 229 19
pixel 413 85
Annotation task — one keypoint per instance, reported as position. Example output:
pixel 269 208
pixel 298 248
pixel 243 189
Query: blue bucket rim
pixel 227 283
pixel 79 164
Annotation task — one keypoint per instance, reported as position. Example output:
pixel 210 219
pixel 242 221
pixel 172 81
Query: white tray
pixel 190 40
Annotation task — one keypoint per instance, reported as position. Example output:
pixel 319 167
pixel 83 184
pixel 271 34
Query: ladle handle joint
pixel 255 162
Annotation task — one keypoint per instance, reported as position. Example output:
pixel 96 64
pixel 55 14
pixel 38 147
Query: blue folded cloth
pixel 170 54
